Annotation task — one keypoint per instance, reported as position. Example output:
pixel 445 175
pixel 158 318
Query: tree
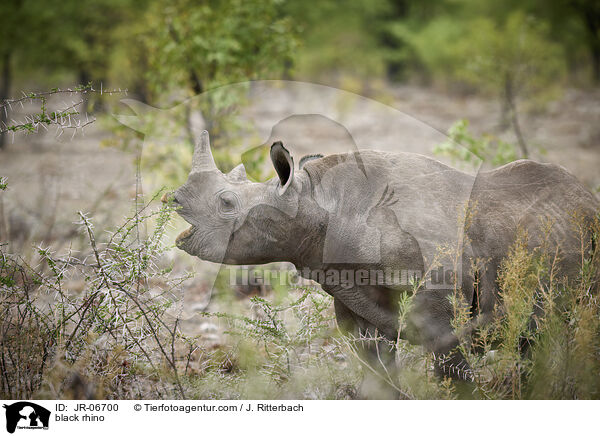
pixel 575 22
pixel 80 40
pixel 83 39
pixel 193 47
pixel 198 46
pixel 15 19
pixel 339 38
pixel 589 12
pixel 515 61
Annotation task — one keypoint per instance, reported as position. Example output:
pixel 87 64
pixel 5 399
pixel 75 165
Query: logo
pixel 26 415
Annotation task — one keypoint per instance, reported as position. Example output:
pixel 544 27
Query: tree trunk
pixel 590 13
pixel 511 105
pixel 84 79
pixel 4 93
pixel 197 84
pixel 596 62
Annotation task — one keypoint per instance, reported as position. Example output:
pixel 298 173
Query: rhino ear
pixel 284 165
pixel 138 121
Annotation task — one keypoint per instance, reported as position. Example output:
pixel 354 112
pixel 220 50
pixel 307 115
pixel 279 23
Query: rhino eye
pixel 228 203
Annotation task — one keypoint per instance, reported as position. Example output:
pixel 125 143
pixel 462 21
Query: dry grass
pixel 115 338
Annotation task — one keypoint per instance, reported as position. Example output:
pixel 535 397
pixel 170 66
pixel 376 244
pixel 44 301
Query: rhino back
pixel 426 197
pixel 429 201
pixel 530 196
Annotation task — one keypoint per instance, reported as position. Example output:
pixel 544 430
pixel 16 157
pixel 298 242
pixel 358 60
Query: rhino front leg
pixel 378 356
pixel 430 324
pixel 357 301
pixel 345 319
pixel 351 323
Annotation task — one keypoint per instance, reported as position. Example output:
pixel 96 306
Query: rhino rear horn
pixel 203 158
pixel 238 174
pixel 284 165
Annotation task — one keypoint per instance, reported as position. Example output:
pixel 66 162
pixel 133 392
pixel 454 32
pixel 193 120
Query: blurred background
pixel 494 82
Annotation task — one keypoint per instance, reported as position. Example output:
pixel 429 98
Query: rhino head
pixel 234 220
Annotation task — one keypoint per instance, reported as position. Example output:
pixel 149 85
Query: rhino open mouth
pixel 183 236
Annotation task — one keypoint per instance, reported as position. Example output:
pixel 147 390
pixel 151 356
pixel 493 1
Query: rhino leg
pixel 429 324
pixel 378 356
pixel 344 318
pixel 351 323
pixel 359 301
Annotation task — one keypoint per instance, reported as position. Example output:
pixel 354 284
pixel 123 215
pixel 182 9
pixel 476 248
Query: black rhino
pixel 347 215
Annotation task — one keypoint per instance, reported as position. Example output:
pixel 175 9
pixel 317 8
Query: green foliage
pixel 155 47
pixel 563 354
pixel 18 19
pixel 461 146
pixel 518 279
pixel 518 54
pixel 430 47
pixel 485 54
pixel 339 39
pixel 481 42
pixel 191 49
pixel 258 164
pixel 85 38
pixel 201 46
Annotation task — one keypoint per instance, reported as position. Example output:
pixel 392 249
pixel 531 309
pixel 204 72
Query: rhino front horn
pixel 203 158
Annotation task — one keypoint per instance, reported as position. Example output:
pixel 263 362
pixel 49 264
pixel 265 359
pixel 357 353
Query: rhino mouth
pixel 184 236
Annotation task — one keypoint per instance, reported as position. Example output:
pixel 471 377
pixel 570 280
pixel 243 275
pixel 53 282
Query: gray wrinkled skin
pixel 377 210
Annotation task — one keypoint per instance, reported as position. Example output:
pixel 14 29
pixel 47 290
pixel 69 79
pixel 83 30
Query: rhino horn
pixel 203 158
pixel 238 174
